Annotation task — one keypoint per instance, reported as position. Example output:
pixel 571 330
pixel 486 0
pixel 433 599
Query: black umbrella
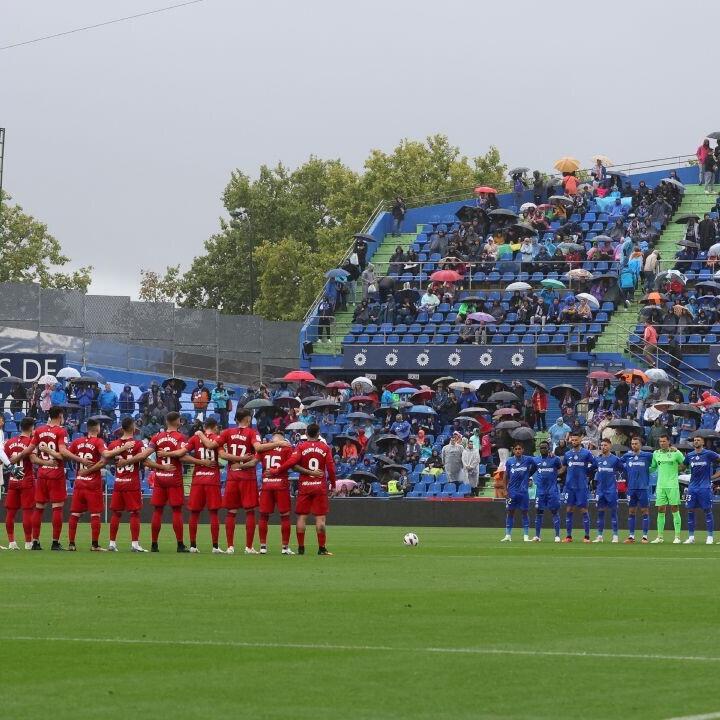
pixel 468 212
pixel 84 380
pixel 363 475
pixel 324 404
pixel 522 229
pixel 684 410
pixel 508 425
pixel 705 434
pixel 472 300
pixel 602 238
pixel 473 411
pixel 621 423
pixel 713 135
pixel 388 439
pixel 258 404
pixel 347 438
pixel 384 459
pixel 367 238
pixel 688 244
pixel 684 219
pixel 502 213
pixel 559 391
pixel 698 384
pixel 392 466
pixel 12 380
pixel 523 434
pixel 177 383
pixel 359 416
pixel 101 418
pixel 444 379
pixel 310 399
pixel 412 295
pixel 522 170
pixel 537 384
pixel 287 401
pixel 503 396
pixel 466 419
pixel 709 284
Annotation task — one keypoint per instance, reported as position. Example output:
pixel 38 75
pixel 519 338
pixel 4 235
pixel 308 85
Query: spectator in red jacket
pixel 539 401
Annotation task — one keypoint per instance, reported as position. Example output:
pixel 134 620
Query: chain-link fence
pixel 116 332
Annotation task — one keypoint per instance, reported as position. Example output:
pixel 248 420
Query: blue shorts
pixel 577 498
pixel 607 500
pixel 638 498
pixel 699 499
pixel 519 501
pixel 548 501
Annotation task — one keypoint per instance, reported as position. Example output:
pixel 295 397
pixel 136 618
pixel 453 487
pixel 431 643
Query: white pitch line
pixel 364 648
pixel 706 716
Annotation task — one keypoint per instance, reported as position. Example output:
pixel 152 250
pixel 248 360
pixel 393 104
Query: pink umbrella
pixel 481 317
pixel 445 276
pixel 346 485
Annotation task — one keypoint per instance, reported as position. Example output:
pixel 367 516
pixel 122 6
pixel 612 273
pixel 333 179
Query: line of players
pixel 580 467
pixel 46 448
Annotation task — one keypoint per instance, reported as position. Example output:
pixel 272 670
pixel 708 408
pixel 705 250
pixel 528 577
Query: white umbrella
pixel 475 384
pixel 651 414
pixel 591 300
pixel 68 372
pixel 460 386
pixel 657 375
pixel 297 426
pixel 528 206
pixel 362 385
pixel 714 249
pixel 48 380
pixel 512 287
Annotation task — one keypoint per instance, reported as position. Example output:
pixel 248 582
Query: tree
pixel 28 253
pixel 160 288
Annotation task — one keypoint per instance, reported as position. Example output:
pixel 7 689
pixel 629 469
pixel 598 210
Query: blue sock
pixel 556 523
pixel 631 525
pixel 525 522
pixel 568 523
pixel 586 523
pixel 614 521
pixel 538 522
pixel 691 522
pixel 509 523
pixel 709 522
pixel 600 522
pixel 645 525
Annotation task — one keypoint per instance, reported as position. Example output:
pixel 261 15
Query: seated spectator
pixel 617 210
pixel 429 301
pixel 406 312
pixel 469 333
pixel 400 427
pixel 362 313
pixel 349 450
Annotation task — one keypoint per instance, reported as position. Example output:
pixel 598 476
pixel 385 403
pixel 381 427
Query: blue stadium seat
pixel 371 329
pixel 452 339
pixel 445 329
pixel 415 328
pixel 513 339
pixel 408 339
pixel 363 339
pixel 497 339
pixel 439 339
pixel 378 339
pixel 558 339
pixel 423 339
pixel 528 339
pixel 543 339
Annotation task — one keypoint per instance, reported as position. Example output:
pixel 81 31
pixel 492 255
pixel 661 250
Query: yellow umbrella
pixel 567 164
pixel 604 159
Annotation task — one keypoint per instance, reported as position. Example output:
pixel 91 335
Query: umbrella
pixel 298 376
pixel 528 206
pixel 714 250
pixel 346 485
pixel 347 438
pixel 686 218
pixel 311 400
pixel 658 375
pixel 68 372
pixel 397 384
pixel 323 404
pixel 363 475
pixel 421 410
pixel 537 384
pixel 258 404
pixel 708 299
pixel 287 402
pixel 655 297
pixel 591 300
pixel 713 136
pixel 410 390
pixel 445 276
pixel 684 410
pixel 600 375
pixel 552 283
pixel 338 385
pixel 476 384
pixel 466 419
pixel 506 412
pixel 493 385
pixel 443 379
pixel 567 164
pixel 521 228
pixel 518 171
pixel 705 434
pixel 357 415
pixel 361 236
pixel 471 299
pixel 11 379
pixel 518 286
pixel 424 394
pixel 95 374
pixel 708 284
pixel 485 189
pixel 469 212
pixel 388 439
pixel 47 380
pixel 560 199
pixel 569 247
pixel 623 423
pixel 523 433
pixel 101 418
pixel 604 159
pixel 361 385
pixel 663 406
pixel 579 274
pixel 674 183
pixel 602 239
pixel 688 244
pixel 337 274
pixel 473 411
pixel 460 386
pixel 503 396
pixel 361 399
pixel 392 466
pixel 296 426
pixel 698 384
pixel 84 380
pixel 558 391
pixel 177 383
pixel 684 445
pixel 670 276
pixel 508 425
pixel 480 317
pixel 630 375
pixel 502 213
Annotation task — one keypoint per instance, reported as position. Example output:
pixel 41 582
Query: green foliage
pixel 28 253
pixel 299 223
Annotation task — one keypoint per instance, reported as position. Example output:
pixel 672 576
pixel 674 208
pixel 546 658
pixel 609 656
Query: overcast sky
pixel 123 138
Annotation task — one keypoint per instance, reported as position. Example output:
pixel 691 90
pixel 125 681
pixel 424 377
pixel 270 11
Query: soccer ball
pixel 411 539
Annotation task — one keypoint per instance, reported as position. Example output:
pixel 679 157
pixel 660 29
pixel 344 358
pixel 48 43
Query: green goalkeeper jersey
pixel 667 463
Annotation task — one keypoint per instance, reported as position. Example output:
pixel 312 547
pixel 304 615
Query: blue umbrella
pixel 406 391
pixel 337 274
pixel 421 410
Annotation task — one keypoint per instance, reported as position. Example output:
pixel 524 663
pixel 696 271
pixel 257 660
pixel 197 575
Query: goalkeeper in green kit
pixel 667 461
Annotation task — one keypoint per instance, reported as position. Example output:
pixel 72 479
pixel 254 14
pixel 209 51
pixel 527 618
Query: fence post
pixel 217 345
pixel 172 354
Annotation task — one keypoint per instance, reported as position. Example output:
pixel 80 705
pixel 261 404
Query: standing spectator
pixel 58 396
pixel 108 401
pixel 151 402
pixel 701 154
pixel 126 401
pixel 452 458
pixel 559 431
pixel 325 315
pixel 401 427
pixel 650 337
pixel 220 399
pixel 709 173
pixel 539 401
pixel 538 187
pixel 34 397
pixel 519 187
pixel 622 397
pixel 706 232
pixel 361 248
pixel 471 464
pixel 369 281
pixel 171 399
pixel 18 404
pixel 398 212
pixel 85 396
pixel 650 269
pixel 200 398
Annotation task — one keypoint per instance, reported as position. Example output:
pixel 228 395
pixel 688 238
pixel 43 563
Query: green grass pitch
pixel 459 627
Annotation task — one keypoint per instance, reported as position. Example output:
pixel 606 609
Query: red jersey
pixel 127 477
pixel 240 441
pixel 204 475
pixel 88 448
pixel 169 441
pixel 16 445
pixel 314 455
pixel 54 437
pixel 271 459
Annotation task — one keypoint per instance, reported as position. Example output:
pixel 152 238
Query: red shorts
pixel 84 500
pixel 50 490
pixel 241 494
pixel 315 504
pixel 126 500
pixel 20 497
pixel 204 496
pixel 270 498
pixel 173 496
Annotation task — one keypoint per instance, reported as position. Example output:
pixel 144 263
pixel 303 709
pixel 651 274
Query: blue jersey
pixel 578 463
pixel 518 473
pixel 637 469
pixel 547 474
pixel 606 476
pixel 701 469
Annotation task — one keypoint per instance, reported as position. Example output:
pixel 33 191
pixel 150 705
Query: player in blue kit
pixel 580 463
pixel 608 468
pixel 701 462
pixel 637 469
pixel 547 495
pixel 518 471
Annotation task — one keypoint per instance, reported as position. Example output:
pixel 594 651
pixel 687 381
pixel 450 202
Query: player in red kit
pixel 317 473
pixel 238 446
pixel 20 491
pixel 169 446
pixel 202 449
pixel 129 454
pixel 275 492
pixel 49 451
pixel 88 487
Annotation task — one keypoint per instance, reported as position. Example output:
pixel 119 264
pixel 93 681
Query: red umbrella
pixel 397 384
pixel 422 395
pixel 600 375
pixel 298 375
pixel 361 399
pixel 445 276
pixel 485 189
pixel 338 385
